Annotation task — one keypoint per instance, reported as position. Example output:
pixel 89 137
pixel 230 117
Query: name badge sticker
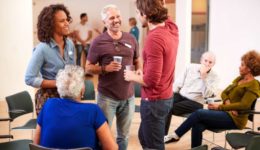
pixel 128 45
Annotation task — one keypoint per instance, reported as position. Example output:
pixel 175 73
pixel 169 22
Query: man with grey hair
pixel 115 95
pixel 198 82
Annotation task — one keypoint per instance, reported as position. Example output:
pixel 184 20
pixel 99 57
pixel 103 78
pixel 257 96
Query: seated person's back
pixel 66 123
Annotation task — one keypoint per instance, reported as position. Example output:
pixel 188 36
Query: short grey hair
pixel 70 81
pixel 208 53
pixel 105 9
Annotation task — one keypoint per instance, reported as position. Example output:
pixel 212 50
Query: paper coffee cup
pixel 210 101
pixel 118 59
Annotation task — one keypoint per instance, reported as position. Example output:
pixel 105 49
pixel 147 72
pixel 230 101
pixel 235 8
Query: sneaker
pixel 169 139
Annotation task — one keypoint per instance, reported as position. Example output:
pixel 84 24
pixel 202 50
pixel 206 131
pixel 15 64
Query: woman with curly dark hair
pixel 237 97
pixel 53 52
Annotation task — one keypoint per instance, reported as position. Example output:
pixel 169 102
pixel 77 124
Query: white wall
pixel 16 44
pixel 234 29
pixel 183 21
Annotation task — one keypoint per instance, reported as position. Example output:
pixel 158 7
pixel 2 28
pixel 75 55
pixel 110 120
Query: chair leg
pixel 225 144
pixel 9 130
pixel 213 136
pixel 32 135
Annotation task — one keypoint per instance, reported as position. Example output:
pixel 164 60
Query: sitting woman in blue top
pixel 66 123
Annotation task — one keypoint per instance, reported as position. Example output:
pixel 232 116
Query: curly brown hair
pixel 252 61
pixel 45 23
pixel 153 9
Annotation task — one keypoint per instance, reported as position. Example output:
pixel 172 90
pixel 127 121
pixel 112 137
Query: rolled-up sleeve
pixel 32 75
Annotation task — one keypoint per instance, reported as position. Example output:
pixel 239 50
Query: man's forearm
pixel 93 69
pixel 138 64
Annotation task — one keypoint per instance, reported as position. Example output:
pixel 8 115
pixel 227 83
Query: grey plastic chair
pixel 254 143
pixel 137 90
pixel 89 91
pixel 15 145
pixel 202 147
pixel 38 147
pixel 240 140
pixel 20 104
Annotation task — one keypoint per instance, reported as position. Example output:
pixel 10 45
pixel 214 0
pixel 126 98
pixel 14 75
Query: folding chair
pixel 251 113
pixel 202 147
pixel 137 88
pixel 254 143
pixel 38 147
pixel 14 145
pixel 89 91
pixel 20 104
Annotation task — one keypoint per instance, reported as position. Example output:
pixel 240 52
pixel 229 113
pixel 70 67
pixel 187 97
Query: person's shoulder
pixel 100 38
pixel 255 84
pixel 169 23
pixel 127 35
pixel 93 107
pixel 51 101
pixel 193 66
pixel 69 41
pixel 254 87
pixel 41 47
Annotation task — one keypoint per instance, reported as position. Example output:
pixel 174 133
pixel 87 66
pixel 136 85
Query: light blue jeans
pixel 124 111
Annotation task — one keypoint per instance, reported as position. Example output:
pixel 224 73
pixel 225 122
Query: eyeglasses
pixel 116 45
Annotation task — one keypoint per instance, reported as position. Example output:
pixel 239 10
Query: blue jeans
pixel 151 131
pixel 79 49
pixel 203 119
pixel 124 111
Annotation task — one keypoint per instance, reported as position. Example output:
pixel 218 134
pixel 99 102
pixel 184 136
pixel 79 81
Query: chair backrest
pixel 38 147
pixel 137 90
pixel 15 145
pixel 251 116
pixel 202 147
pixel 19 104
pixel 254 143
pixel 89 91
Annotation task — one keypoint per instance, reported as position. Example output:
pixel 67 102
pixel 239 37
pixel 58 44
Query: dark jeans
pixel 203 119
pixel 151 131
pixel 79 49
pixel 180 106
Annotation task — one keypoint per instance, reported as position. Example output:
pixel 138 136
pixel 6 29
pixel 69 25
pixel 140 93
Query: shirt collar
pixel 54 44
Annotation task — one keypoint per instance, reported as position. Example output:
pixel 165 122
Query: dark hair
pixel 83 15
pixel 153 9
pixel 252 61
pixel 45 23
pixel 133 20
